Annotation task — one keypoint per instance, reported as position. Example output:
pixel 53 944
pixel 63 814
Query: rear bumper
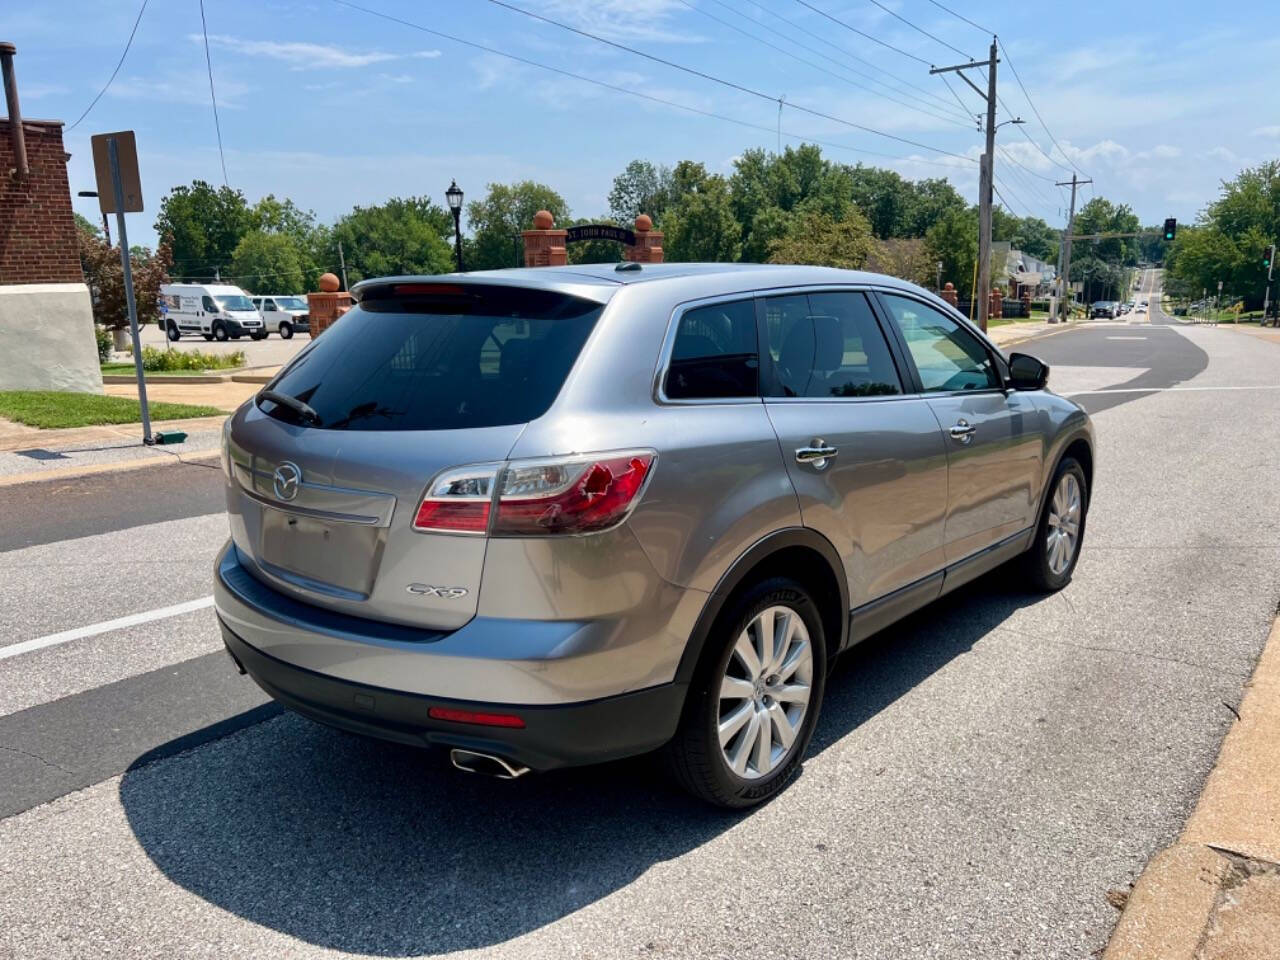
pixel 552 736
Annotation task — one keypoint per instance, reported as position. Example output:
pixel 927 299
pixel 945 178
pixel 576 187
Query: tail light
pixel 561 496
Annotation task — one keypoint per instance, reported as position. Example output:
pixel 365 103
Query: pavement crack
pixel 36 756
pixel 1141 654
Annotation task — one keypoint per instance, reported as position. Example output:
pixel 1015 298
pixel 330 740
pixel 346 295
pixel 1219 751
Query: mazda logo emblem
pixel 286 480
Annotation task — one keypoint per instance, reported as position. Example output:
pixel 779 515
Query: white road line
pixel 80 633
pixel 1090 393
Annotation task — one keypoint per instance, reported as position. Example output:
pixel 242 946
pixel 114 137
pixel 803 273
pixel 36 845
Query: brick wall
pixel 37 232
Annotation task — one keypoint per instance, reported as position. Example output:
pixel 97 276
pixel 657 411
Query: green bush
pixel 103 337
pixel 158 361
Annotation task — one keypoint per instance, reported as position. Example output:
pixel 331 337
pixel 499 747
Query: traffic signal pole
pixel 1064 252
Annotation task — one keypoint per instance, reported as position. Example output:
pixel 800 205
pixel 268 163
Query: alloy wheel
pixel 1064 524
pixel 764 693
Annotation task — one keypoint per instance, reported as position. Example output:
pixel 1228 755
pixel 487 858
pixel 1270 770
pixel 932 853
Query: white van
pixel 216 311
pixel 286 315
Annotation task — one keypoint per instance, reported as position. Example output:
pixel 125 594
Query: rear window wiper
pixel 300 407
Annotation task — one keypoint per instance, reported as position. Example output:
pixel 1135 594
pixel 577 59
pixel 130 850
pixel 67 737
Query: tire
pixel 260 336
pixel 173 332
pixel 207 336
pixel 1046 567
pixel 695 755
pixel 220 331
pixel 236 336
pixel 286 330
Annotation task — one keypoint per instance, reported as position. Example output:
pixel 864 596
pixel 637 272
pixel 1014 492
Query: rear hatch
pixel 330 462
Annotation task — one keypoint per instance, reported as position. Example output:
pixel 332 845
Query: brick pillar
pixel 1026 302
pixel 996 306
pixel 949 293
pixel 325 307
pixel 648 246
pixel 544 246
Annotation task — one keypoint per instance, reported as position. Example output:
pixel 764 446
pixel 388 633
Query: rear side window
pixel 715 353
pixel 447 357
pixel 828 345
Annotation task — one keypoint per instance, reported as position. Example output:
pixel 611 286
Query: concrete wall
pixel 46 338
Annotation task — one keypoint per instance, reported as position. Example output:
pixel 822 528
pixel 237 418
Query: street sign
pixel 130 181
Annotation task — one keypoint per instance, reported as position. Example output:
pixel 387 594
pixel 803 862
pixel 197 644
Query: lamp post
pixel 106 227
pixel 454 196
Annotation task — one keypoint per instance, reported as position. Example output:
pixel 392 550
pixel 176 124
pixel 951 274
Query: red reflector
pixel 462 516
pixel 428 289
pixel 481 719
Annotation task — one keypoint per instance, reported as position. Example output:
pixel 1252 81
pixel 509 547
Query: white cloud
pixel 36 90
pixel 395 77
pixel 1223 153
pixel 626 19
pixel 308 56
pixel 1271 131
pixel 186 87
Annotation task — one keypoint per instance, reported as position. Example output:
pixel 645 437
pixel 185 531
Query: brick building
pixel 46 318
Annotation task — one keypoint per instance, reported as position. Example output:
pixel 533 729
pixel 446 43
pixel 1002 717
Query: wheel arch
pixel 796 552
pixel 1080 447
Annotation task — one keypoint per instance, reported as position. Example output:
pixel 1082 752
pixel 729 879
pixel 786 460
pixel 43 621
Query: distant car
pixel 1103 308
pixel 285 315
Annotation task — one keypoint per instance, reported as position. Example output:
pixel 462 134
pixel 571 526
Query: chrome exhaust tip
pixel 487 764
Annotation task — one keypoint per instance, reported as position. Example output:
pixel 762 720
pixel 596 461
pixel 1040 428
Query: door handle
pixel 817 453
pixel 962 431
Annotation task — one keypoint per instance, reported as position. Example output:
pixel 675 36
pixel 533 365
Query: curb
pixel 1216 893
pixel 36 439
pixel 91 470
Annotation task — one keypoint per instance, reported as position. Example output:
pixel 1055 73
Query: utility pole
pixel 1064 251
pixel 986 176
pixel 342 262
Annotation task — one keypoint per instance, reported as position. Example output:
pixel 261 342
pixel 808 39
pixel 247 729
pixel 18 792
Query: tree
pixel 267 263
pixel 953 239
pixel 641 188
pixel 86 226
pixel 311 241
pixel 699 225
pixel 595 251
pixel 497 221
pixel 885 198
pixel 816 238
pixel 405 235
pixel 905 257
pixel 769 189
pixel 105 276
pixel 931 200
pixel 203 227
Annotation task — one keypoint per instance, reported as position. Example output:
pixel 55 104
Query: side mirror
pixel 1027 373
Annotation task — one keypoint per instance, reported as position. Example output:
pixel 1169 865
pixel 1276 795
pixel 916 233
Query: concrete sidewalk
pixel 1215 894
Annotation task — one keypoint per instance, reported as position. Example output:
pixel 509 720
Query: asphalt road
pixel 981 776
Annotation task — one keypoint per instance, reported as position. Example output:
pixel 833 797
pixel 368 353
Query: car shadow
pixel 364 847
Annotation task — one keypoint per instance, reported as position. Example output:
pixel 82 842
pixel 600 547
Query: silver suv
pixel 563 515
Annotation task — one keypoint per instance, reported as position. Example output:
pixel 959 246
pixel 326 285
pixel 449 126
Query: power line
pixel 960 16
pixel 920 30
pixel 1018 163
pixel 1032 104
pixel 119 64
pixel 816 66
pixel 887 46
pixel 1018 174
pixel 714 79
pixel 204 30
pixel 636 93
pixel 947 84
pixel 843 52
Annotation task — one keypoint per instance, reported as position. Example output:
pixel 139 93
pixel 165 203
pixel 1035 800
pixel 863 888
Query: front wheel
pixel 286 331
pixel 172 331
pixel 1051 561
pixel 754 702
pixel 220 331
pixel 207 336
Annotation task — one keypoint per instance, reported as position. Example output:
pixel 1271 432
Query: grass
pixel 50 409
pixel 115 367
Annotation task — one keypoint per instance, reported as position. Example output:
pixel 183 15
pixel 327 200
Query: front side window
pixel 209 305
pixel 948 357
pixel 715 353
pixel 828 345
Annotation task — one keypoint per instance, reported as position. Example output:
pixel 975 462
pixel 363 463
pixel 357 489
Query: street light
pixel 454 196
pixel 106 227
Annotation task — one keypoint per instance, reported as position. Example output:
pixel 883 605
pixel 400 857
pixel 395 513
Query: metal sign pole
pixel 118 190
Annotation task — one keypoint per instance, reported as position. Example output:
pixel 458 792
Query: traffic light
pixel 1268 256
pixel 1170 228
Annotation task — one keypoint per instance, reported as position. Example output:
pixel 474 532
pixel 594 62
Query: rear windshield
pixel 469 356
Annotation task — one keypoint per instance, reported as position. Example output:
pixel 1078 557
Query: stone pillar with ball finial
pixel 544 246
pixel 325 307
pixel 648 245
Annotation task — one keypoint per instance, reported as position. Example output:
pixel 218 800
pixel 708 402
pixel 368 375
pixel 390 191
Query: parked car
pixel 215 311
pixel 1103 308
pixel 284 314
pixel 559 516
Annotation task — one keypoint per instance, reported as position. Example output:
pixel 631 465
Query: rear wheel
pixel 286 330
pixel 754 702
pixel 207 336
pixel 220 331
pixel 1051 561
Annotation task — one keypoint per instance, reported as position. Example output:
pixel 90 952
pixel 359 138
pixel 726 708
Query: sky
pixel 334 106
